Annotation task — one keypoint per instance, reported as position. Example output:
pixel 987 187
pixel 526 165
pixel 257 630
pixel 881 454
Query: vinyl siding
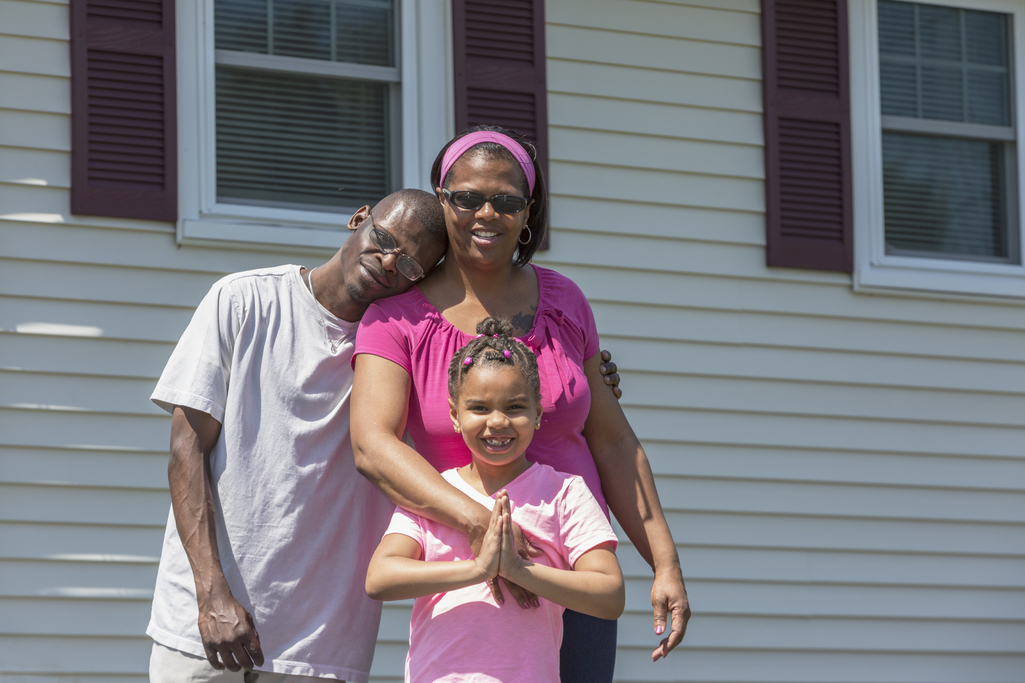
pixel 844 474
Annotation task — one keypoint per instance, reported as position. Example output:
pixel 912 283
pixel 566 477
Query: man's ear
pixel 362 213
pixel 454 414
pixel 441 196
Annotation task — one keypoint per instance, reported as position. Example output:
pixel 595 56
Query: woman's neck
pixel 490 479
pixel 476 284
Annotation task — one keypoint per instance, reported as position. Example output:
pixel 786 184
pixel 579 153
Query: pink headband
pixel 460 147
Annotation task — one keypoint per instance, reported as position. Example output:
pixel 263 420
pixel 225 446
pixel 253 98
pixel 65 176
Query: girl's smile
pixel 497 414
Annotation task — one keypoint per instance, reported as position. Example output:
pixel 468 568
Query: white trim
pixel 319 67
pixel 874 270
pixel 426 124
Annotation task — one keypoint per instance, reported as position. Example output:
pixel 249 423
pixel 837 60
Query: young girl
pixel 458 631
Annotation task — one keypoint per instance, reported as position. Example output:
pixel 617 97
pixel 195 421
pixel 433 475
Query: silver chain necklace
pixel 323 320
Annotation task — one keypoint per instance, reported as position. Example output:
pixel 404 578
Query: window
pixel 934 124
pixel 296 112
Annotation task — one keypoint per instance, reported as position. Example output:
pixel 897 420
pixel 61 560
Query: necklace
pixel 323 320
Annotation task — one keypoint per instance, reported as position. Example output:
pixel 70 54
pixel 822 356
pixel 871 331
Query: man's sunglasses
pixel 406 265
pixel 471 201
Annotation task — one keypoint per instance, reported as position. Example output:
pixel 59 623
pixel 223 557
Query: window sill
pixel 941 277
pixel 233 230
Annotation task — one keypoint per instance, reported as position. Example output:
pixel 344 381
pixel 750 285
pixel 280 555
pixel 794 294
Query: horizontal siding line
pixel 836 449
pixel 697 410
pixel 624 542
pixel 824 483
pixel 70 523
pixel 803 382
pixel 653 135
pixel 712 5
pixel 649 69
pixel 833 617
pixel 792 314
pixel 701 578
pixel 666 171
pixel 106 302
pixel 661 103
pixel 36 74
pixel 110 339
pixel 60 410
pixel 98 489
pixel 822 416
pixel 752 649
pixel 69 220
pixel 793 347
pixel 118 266
pixel 88 559
pixel 684 546
pixel 76 374
pixel 857 584
pixel 644 34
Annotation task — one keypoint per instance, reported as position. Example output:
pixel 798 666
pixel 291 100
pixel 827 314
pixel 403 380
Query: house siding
pixel 844 474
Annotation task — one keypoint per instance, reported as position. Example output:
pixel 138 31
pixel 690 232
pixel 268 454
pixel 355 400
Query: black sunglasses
pixel 471 201
pixel 406 265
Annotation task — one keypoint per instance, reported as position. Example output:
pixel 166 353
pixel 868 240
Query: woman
pixel 496 208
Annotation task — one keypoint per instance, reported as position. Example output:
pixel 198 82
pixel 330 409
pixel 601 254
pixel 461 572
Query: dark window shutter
pixel 123 123
pixel 809 216
pixel 499 63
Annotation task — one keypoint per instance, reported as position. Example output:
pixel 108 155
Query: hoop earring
pixel 528 235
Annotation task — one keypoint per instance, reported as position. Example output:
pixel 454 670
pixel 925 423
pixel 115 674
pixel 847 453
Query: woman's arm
pixel 594 586
pixel 629 488
pixel 380 400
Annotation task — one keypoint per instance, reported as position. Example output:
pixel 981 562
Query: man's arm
pixel 227 629
pixel 629 488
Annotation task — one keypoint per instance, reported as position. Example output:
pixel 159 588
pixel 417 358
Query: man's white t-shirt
pixel 297 523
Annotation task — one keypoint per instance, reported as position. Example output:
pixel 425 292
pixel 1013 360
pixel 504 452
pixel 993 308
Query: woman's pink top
pixel 409 331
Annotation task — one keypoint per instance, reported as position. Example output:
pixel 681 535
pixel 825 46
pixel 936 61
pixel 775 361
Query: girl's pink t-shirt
pixel 464 636
pixel 409 331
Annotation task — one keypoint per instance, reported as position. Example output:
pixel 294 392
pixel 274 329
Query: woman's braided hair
pixel 493 346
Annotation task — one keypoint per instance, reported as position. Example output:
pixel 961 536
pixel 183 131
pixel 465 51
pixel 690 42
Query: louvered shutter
pixel 499 63
pixel 123 123
pixel 809 217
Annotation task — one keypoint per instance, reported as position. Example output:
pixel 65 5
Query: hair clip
pixel 478 336
pixel 507 353
pixel 468 361
pixel 495 336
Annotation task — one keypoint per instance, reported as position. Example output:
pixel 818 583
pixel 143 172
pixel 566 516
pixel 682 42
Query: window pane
pixel 944 196
pixel 355 31
pixel 944 63
pixel 286 139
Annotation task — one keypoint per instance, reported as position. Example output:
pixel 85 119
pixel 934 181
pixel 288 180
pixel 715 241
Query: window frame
pixel 423 124
pixel 875 271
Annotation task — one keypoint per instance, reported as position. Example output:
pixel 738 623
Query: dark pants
pixel 588 652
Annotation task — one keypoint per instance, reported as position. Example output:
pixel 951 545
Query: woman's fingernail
pixel 537 603
pixel 658 630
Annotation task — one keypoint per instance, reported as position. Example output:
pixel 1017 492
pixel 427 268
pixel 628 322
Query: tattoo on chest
pixel 522 322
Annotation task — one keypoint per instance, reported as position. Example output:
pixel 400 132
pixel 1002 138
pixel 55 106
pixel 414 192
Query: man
pixel 271 525
pixel 270 522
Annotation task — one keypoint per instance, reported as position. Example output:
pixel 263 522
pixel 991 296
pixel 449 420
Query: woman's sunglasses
pixel 471 201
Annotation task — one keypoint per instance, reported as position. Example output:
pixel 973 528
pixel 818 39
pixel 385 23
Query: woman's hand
pixel 609 373
pixel 669 597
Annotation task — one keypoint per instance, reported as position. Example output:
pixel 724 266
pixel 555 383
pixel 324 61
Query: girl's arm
pixel 594 586
pixel 629 488
pixel 396 571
